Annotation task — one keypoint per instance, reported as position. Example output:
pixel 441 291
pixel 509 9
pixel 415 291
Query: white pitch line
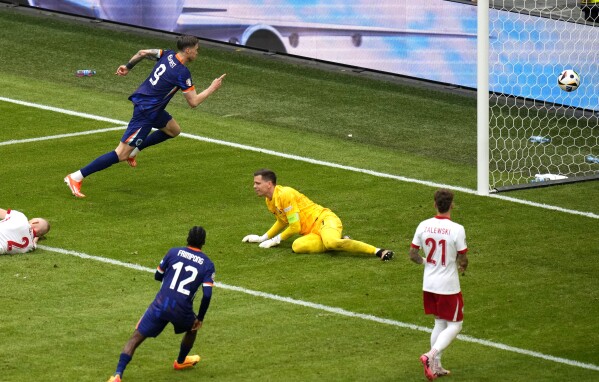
pixel 314 161
pixel 385 175
pixel 48 137
pixel 62 111
pixel 338 311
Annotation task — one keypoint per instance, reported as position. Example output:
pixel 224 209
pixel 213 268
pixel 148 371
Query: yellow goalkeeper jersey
pixel 286 202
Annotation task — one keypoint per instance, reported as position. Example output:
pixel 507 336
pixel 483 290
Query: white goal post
pixel 482 101
pixel 530 132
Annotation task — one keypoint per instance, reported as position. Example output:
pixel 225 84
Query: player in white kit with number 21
pixel 444 244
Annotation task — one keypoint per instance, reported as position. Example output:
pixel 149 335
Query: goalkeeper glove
pixel 254 238
pixel 271 242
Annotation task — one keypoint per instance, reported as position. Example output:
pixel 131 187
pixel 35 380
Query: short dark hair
pixel 186 41
pixel 267 175
pixel 443 200
pixel 196 237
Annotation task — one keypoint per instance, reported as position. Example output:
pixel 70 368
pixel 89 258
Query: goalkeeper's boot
pixel 190 361
pixel 428 371
pixel 132 162
pixel 115 378
pixel 74 186
pixel 385 254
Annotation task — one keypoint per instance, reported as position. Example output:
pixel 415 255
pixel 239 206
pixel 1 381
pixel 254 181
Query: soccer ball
pixel 568 80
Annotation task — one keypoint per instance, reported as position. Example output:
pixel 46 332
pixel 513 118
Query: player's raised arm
pixel 194 99
pixel 151 54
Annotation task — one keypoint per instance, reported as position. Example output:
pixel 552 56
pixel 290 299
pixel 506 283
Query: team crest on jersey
pixel 188 82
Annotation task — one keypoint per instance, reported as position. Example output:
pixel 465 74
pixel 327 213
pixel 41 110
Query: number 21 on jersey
pixel 432 244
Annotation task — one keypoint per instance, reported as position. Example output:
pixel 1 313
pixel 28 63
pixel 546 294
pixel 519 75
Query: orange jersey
pixel 286 202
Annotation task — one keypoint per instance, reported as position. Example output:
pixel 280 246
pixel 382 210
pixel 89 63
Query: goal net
pixel 540 134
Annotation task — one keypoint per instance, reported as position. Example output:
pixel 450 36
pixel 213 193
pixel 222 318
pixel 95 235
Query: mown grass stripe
pixel 298 158
pixel 338 311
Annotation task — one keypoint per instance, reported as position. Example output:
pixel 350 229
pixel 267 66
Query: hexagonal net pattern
pixel 535 126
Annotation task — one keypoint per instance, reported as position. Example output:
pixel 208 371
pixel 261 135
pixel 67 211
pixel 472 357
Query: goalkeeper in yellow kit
pixel 296 214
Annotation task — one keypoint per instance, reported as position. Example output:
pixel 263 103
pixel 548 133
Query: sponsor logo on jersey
pixel 171 62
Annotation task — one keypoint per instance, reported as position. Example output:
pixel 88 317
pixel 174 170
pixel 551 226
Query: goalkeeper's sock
pixel 100 163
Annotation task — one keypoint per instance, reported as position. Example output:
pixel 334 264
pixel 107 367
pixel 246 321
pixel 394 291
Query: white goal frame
pixel 482 98
pixel 567 147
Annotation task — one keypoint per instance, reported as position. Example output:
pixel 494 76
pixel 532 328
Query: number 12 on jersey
pixel 181 288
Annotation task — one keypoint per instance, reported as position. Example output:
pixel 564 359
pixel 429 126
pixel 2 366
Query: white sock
pixel 431 354
pixel 134 153
pixel 77 176
pixel 438 360
pixel 446 337
pixel 440 325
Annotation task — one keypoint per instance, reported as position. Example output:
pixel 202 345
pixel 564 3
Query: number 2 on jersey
pixel 11 244
pixel 181 288
pixel 430 242
pixel 157 73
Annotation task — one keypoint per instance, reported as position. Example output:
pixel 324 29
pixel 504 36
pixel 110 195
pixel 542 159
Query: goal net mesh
pixel 539 132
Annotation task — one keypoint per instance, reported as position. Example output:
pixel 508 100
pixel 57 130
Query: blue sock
pixel 100 163
pixel 153 139
pixel 124 360
pixel 183 352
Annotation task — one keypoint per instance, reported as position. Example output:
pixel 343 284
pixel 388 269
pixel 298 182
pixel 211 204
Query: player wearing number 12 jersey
pixel 182 271
pixel 169 74
pixel 444 244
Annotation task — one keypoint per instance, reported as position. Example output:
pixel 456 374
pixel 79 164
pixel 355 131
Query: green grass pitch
pixel 531 284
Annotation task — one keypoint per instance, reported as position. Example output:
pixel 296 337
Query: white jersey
pixel 16 235
pixel 441 240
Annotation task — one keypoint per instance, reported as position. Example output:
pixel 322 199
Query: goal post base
pixel 525 186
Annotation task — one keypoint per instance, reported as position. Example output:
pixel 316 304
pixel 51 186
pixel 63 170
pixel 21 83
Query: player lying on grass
pixel 320 228
pixel 19 235
pixel 149 102
pixel 182 271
